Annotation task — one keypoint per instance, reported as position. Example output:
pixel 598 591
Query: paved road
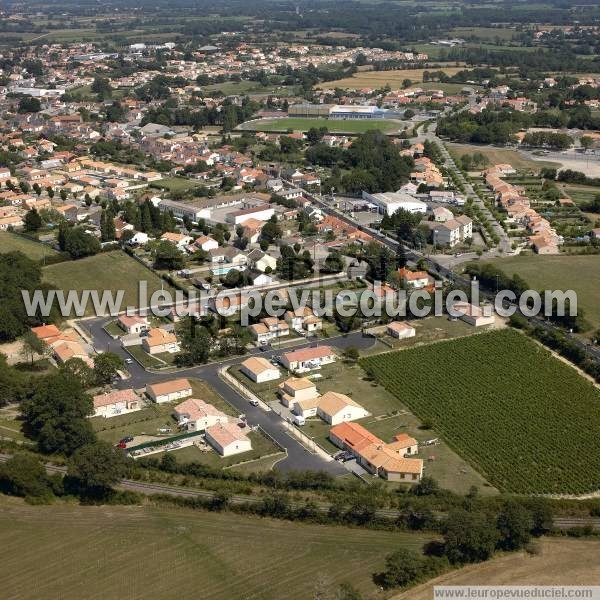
pixel 298 457
pixel 505 243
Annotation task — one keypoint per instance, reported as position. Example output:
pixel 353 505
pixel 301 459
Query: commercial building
pixel 389 202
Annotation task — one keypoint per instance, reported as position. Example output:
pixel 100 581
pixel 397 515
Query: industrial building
pixel 390 202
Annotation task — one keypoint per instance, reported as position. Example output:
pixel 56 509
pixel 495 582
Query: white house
pixel 303 319
pixel 205 243
pixel 307 359
pixel 260 260
pixel 296 389
pixel 197 415
pixel 159 341
pixel 400 330
pixel 260 369
pixel 134 324
pixel 179 239
pixel 474 315
pixel 416 280
pixel 228 439
pixel 116 403
pixel 167 391
pixel 336 408
pixel 139 238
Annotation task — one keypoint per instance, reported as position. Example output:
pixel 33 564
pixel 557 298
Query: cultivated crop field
pixel 379 79
pixel 528 421
pixel 143 552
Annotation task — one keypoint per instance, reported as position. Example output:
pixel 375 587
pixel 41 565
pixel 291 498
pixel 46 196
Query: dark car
pixel 126 439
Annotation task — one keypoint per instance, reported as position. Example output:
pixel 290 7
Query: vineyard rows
pixel 528 422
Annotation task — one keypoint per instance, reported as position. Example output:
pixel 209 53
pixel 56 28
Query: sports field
pixel 109 271
pixel 579 273
pixel 529 421
pixel 106 553
pixel 11 242
pixel 298 124
pixel 379 79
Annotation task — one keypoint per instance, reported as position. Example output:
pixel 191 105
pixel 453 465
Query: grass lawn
pixel 500 400
pixel 579 273
pixel 580 194
pixel 484 33
pixel 261 447
pixel 501 155
pixel 378 79
pixel 173 553
pixel 108 271
pixel 113 329
pixel 146 421
pixel 432 329
pixel 11 242
pixel 154 416
pixel 11 428
pixel 175 184
pixel 389 416
pixel 334 126
pixel 146 360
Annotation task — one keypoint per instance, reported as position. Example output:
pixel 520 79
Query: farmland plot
pixel 527 421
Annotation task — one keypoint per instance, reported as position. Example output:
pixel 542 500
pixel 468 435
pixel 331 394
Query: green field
pixel 501 155
pixel 529 421
pixel 11 242
pixel 106 553
pixel 580 194
pixel 334 126
pixel 484 33
pixel 261 447
pixel 108 271
pixel 175 184
pixel 579 273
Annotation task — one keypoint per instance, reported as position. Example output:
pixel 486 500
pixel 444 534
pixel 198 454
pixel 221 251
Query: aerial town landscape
pixel 299 300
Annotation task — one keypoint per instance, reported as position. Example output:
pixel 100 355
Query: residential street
pixel 298 457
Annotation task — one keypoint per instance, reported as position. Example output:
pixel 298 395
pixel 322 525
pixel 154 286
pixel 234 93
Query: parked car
pixel 253 402
pixel 126 439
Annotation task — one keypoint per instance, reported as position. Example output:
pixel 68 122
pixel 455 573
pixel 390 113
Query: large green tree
pixel 55 414
pixel 18 275
pixel 106 366
pixel 469 536
pixel 98 466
